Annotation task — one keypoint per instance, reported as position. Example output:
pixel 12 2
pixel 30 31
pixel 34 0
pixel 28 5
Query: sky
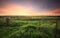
pixel 29 7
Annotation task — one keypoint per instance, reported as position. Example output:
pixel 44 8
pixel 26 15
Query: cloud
pixel 20 10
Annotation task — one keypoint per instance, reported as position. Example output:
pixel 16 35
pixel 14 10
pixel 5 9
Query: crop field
pixel 29 27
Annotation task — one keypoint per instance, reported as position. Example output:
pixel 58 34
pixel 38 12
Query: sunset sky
pixel 29 7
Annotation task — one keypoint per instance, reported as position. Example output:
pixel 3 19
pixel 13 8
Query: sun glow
pixel 19 10
pixel 16 10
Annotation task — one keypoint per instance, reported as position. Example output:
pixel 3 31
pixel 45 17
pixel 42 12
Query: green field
pixel 29 27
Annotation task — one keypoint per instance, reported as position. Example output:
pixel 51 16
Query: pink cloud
pixel 15 9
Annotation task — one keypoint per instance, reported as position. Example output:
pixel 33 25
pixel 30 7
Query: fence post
pixel 7 21
pixel 56 27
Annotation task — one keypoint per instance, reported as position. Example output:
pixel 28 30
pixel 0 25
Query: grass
pixel 28 27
